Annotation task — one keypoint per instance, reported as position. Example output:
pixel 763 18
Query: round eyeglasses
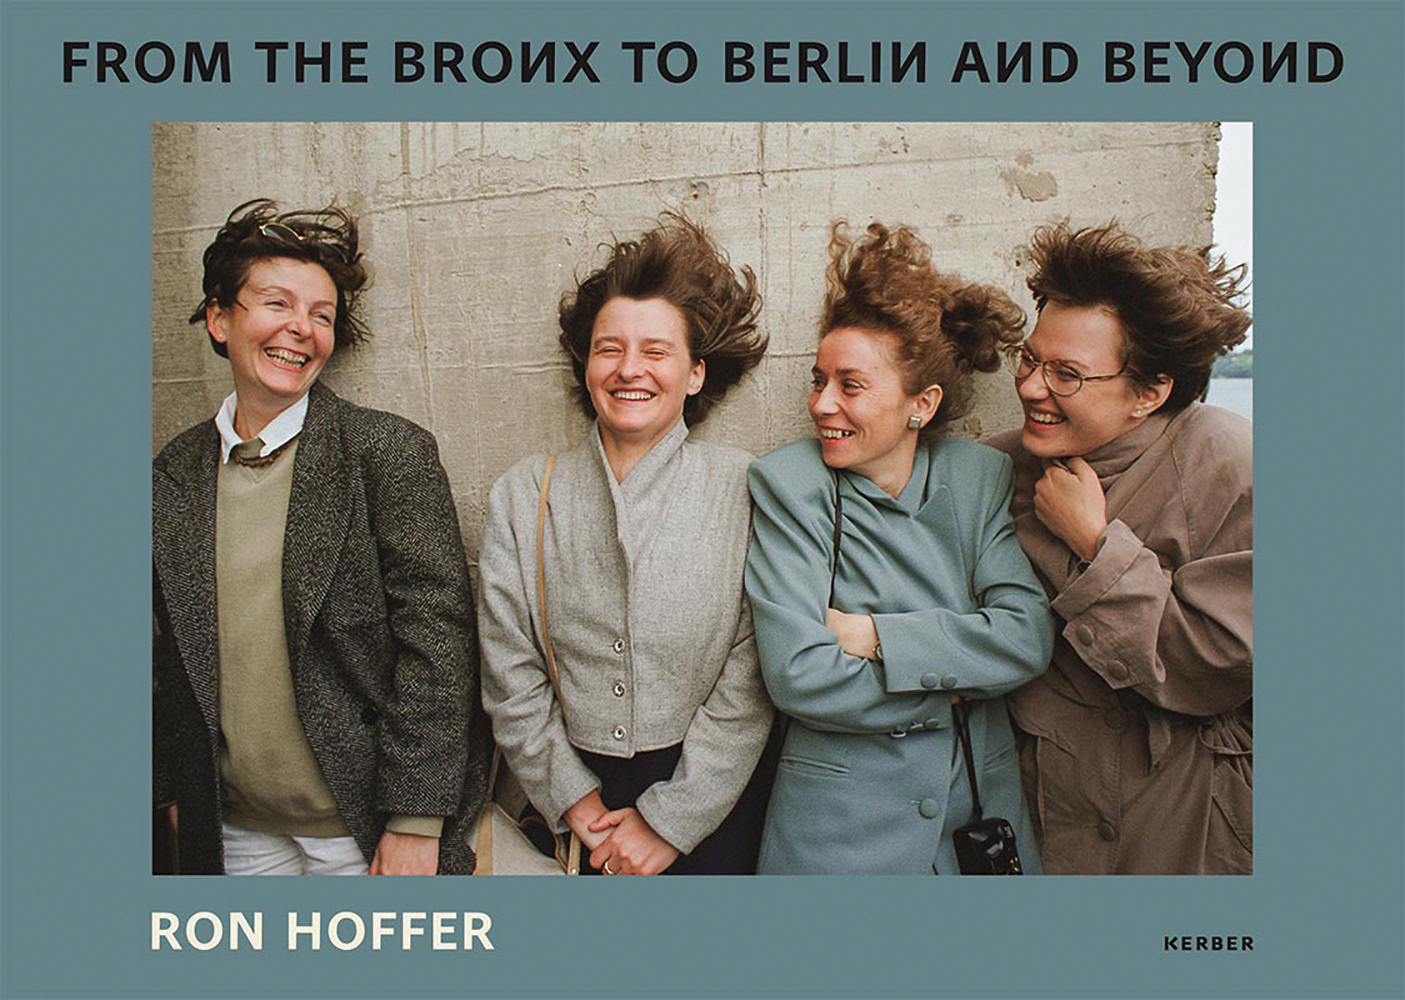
pixel 1061 379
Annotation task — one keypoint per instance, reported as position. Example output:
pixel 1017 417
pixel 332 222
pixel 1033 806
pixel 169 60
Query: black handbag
pixel 983 846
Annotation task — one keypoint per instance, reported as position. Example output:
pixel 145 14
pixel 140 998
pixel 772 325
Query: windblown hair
pixel 1176 305
pixel 679 262
pixel 329 239
pixel 944 329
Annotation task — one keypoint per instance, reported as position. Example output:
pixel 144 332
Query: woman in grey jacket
pixel 644 548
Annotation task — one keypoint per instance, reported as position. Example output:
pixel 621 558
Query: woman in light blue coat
pixel 920 599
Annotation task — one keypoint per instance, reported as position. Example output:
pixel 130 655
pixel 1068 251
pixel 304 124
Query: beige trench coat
pixel 1137 745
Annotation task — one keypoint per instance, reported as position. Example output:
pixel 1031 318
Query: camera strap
pixel 838 515
pixel 960 712
pixel 782 724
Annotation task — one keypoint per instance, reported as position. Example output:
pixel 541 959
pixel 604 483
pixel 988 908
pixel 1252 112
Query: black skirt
pixel 731 849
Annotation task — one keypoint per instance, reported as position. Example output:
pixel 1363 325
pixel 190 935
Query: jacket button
pixel 1085 634
pixel 618 732
pixel 1107 831
pixel 929 808
pixel 1114 720
pixel 1118 670
pixel 617 690
pixel 929 681
pixel 949 681
pixel 369 714
pixel 618 645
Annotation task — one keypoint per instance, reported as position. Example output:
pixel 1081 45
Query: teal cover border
pixel 1325 904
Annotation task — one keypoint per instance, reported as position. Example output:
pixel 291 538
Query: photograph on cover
pixel 814 498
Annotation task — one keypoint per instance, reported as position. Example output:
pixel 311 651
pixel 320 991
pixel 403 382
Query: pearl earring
pixel 914 423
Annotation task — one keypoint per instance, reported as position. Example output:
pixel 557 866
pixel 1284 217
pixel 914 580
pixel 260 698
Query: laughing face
pixel 279 333
pixel 640 370
pixel 861 410
pixel 1087 340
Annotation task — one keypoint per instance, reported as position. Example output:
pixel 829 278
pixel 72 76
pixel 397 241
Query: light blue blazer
pixel 871 778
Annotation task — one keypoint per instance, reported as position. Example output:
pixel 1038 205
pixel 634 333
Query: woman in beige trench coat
pixel 1134 502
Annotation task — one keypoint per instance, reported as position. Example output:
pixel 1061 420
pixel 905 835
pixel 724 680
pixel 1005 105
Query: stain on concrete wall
pixel 1031 185
pixel 474 230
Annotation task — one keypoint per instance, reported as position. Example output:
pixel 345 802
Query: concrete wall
pixel 473 232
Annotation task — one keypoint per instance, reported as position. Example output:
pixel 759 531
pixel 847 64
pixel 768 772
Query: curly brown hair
pixel 679 262
pixel 944 329
pixel 1176 305
pixel 255 231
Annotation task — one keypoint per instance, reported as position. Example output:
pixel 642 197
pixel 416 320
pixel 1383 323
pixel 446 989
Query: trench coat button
pixel 1085 634
pixel 1107 831
pixel 617 690
pixel 929 681
pixel 618 732
pixel 929 808
pixel 618 645
pixel 1118 670
pixel 1115 720
pixel 949 681
pixel 369 714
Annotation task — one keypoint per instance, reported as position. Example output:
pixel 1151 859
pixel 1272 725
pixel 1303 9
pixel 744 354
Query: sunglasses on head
pixel 279 232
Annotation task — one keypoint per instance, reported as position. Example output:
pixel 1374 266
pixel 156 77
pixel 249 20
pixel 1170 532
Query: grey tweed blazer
pixel 380 626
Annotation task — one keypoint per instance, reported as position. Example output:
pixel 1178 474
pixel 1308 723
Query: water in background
pixel 1235 394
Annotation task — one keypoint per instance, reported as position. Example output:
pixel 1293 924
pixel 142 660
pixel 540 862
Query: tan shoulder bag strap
pixel 573 853
pixel 541 588
pixel 484 849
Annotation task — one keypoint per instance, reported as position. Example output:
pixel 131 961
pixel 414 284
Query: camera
pixel 987 847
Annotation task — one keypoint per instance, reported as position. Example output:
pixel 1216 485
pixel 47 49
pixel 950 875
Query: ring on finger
pixel 608 870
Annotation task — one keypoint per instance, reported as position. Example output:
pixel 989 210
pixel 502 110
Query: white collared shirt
pixel 280 430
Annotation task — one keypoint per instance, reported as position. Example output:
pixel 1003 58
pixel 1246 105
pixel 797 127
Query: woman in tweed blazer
pixel 314 673
pixel 651 758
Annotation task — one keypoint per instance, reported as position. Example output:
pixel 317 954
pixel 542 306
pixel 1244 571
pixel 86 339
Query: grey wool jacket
pixel 379 618
pixel 649 624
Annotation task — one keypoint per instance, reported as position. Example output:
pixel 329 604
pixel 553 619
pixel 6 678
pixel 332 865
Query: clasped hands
pixel 630 847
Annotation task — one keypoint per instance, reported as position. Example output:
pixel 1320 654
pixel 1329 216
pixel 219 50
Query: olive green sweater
pixel 270 779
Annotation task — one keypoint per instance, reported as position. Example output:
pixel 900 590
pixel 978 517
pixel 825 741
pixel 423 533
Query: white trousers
pixel 249 852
